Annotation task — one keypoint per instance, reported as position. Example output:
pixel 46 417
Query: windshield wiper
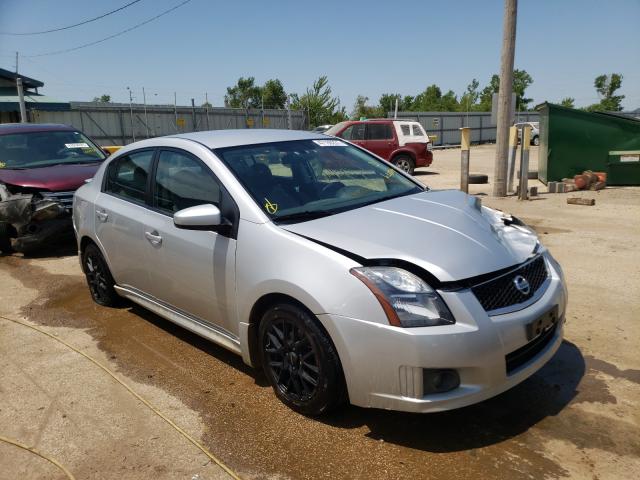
pixel 306 215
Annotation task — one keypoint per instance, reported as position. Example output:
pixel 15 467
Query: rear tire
pixel 300 361
pixel 536 141
pixel 5 238
pixel 99 277
pixel 404 163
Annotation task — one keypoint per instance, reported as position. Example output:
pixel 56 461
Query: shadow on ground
pixel 544 394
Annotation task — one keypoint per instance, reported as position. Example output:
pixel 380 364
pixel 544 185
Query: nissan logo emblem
pixel 522 284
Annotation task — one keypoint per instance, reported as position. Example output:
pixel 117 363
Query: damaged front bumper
pixel 35 218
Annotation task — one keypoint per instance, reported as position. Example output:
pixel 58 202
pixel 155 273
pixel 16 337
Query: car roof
pixel 232 138
pixel 10 128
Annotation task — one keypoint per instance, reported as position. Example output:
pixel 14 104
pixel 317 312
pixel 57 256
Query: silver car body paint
pixel 209 283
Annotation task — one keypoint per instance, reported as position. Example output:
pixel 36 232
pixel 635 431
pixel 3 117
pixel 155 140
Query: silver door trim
pixel 199 327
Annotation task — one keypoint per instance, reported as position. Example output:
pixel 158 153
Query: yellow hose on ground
pixel 113 375
pixel 41 455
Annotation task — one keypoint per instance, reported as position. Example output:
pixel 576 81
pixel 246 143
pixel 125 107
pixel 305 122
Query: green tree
pixel 361 109
pixel 320 105
pixel 273 94
pixel 429 100
pixel 244 94
pixel 521 81
pixel 449 102
pixel 387 103
pixel 102 99
pixel 568 102
pixel 470 97
pixel 606 86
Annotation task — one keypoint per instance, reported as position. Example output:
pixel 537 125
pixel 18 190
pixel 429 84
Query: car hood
pixel 445 232
pixel 54 178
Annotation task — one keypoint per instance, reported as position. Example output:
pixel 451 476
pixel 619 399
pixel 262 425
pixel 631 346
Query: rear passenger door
pixel 191 270
pixel 381 139
pixel 119 209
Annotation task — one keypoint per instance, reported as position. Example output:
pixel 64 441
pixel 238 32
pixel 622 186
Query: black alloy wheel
pixel 300 361
pixel 98 277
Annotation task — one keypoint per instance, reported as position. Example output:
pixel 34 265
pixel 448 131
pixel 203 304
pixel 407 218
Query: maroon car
pixel 41 166
pixel 401 142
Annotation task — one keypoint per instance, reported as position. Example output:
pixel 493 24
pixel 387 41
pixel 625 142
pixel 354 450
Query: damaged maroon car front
pixel 41 166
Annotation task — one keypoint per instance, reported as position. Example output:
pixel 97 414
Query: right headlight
pixel 406 299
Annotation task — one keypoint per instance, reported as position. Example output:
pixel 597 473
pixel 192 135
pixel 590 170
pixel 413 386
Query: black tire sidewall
pixel 329 392
pixel 111 298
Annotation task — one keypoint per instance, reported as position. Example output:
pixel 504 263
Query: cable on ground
pixel 197 444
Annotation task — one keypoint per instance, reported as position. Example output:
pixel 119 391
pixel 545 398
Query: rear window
pixel 127 176
pixel 406 129
pixel 417 131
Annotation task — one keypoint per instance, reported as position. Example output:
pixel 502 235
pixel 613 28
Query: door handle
pixel 102 215
pixel 153 238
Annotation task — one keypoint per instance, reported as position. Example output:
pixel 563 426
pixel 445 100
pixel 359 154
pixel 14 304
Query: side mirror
pixel 200 217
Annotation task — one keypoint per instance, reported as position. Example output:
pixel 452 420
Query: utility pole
pixel 193 115
pixel 175 109
pixel 206 108
pixel 16 63
pixel 133 133
pixel 504 97
pixel 146 119
pixel 23 108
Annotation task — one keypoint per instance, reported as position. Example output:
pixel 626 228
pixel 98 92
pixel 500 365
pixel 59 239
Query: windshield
pixel 335 129
pixel 304 179
pixel 43 149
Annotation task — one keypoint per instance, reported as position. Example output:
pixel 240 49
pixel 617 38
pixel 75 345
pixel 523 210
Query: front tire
pixel 99 277
pixel 536 141
pixel 404 163
pixel 300 361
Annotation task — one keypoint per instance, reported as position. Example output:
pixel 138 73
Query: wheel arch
pixel 258 310
pixel 403 151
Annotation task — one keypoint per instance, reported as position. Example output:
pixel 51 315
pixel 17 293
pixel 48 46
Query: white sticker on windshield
pixel 330 143
pixel 76 145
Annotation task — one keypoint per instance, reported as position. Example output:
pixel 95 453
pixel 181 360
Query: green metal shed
pixel 572 141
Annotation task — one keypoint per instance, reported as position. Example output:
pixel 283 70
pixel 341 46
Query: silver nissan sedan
pixel 340 276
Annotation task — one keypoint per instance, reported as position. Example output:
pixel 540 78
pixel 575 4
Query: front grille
pixel 63 198
pixel 501 292
pixel 524 354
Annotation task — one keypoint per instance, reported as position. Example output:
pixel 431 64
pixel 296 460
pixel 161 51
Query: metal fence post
pixel 524 162
pixel 465 142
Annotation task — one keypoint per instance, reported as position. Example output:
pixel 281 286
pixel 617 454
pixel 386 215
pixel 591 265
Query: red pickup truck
pixel 403 143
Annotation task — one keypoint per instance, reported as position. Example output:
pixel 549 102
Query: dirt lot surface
pixel 579 417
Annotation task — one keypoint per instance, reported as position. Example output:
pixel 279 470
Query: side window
pixel 417 131
pixel 182 181
pixel 406 129
pixel 379 131
pixel 354 132
pixel 127 176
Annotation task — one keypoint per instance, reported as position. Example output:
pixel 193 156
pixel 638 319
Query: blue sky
pixel 365 47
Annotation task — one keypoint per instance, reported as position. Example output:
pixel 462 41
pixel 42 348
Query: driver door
pixel 191 270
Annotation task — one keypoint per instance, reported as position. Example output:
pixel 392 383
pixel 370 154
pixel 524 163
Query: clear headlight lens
pixel 406 299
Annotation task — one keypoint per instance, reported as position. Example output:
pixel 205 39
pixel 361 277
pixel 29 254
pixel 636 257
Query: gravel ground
pixel 579 417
